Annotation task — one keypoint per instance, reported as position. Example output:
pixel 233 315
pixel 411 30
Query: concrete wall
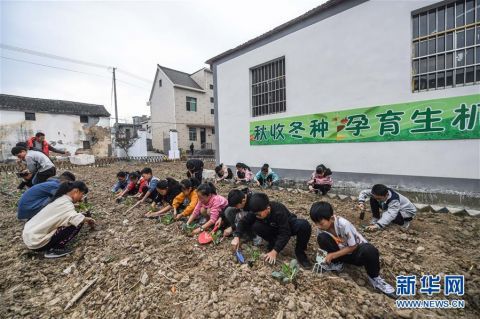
pixel 162 110
pixel 62 131
pixel 333 65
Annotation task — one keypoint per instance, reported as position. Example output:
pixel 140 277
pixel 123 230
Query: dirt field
pixel 145 269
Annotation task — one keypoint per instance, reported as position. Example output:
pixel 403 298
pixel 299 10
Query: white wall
pixel 162 109
pixel 64 132
pixel 360 57
pixel 138 149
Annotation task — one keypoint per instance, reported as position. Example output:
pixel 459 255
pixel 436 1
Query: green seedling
pixel 188 229
pixel 84 207
pixel 217 237
pixel 288 272
pixel 167 219
pixel 129 201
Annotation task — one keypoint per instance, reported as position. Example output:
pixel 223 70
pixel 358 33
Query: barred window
pixel 268 88
pixel 192 133
pixel 446 46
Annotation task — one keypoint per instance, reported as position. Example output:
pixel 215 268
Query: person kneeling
pixel 58 222
pixel 275 224
pixel 344 244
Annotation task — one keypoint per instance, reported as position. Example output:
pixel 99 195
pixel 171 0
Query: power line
pixel 62 58
pixel 70 70
pixel 53 67
pixel 51 56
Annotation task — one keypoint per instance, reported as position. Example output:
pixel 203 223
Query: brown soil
pixel 145 269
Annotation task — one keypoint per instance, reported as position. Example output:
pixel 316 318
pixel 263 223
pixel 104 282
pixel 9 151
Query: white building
pixel 70 126
pixel 182 102
pixel 350 64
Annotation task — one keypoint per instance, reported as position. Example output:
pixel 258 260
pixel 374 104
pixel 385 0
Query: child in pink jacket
pixel 321 180
pixel 210 205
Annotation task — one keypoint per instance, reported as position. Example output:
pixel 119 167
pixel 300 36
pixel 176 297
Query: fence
pixel 106 161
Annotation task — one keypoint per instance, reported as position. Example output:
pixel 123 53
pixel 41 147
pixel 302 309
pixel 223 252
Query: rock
pixel 69 269
pixel 214 314
pixel 124 262
pixel 144 314
pixel 144 278
pixel 280 315
pixel 147 260
pixel 420 249
pixel 291 305
pixel 125 222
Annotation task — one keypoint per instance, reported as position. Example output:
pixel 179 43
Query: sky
pixel 133 36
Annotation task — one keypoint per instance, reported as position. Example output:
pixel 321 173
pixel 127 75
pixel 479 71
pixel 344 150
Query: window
pixel 446 46
pixel 160 83
pixel 191 104
pixel 268 88
pixel 192 133
pixel 213 130
pixel 211 86
pixel 212 99
pixel 86 145
pixel 212 111
pixel 29 116
pixel 83 118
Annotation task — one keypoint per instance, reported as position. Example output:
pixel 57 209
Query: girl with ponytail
pixel 58 222
pixel 210 205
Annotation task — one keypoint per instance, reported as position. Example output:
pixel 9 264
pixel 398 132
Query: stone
pixel 125 222
pixel 291 305
pixel 69 269
pixel 144 278
pixel 406 314
pixel 214 314
pixel 124 262
pixel 420 249
pixel 144 314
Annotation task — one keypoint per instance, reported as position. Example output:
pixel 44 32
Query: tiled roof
pixel 30 104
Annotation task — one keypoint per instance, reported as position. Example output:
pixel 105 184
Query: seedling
pixel 188 229
pixel 217 237
pixel 84 207
pixel 167 219
pixel 288 272
pixel 254 255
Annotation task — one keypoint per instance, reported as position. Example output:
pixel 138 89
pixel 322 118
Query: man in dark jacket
pixel 275 224
pixel 195 169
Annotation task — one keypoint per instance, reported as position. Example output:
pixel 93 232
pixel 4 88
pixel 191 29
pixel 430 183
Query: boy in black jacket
pixel 275 224
pixel 195 169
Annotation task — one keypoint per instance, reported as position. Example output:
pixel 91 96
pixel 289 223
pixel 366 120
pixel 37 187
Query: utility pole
pixel 115 98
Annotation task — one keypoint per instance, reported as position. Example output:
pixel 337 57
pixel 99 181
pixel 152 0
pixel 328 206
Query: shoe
pixel 338 267
pixel 374 221
pixel 303 261
pixel 380 284
pixel 406 225
pixel 57 252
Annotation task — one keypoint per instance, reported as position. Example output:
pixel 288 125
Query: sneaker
pixel 406 225
pixel 332 266
pixel 56 252
pixel 303 261
pixel 380 284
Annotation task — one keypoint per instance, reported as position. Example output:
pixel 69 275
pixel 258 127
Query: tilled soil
pixel 145 269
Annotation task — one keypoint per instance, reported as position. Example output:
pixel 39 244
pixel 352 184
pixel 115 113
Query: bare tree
pixel 124 138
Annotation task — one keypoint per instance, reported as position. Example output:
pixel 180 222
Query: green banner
pixel 441 119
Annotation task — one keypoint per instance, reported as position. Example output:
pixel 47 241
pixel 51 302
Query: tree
pixel 124 139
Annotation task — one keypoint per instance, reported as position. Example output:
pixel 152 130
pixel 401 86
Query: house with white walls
pixel 182 102
pixel 71 126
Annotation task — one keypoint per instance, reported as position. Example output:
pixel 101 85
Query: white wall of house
pixel 168 111
pixel 63 131
pixel 162 109
pixel 360 57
